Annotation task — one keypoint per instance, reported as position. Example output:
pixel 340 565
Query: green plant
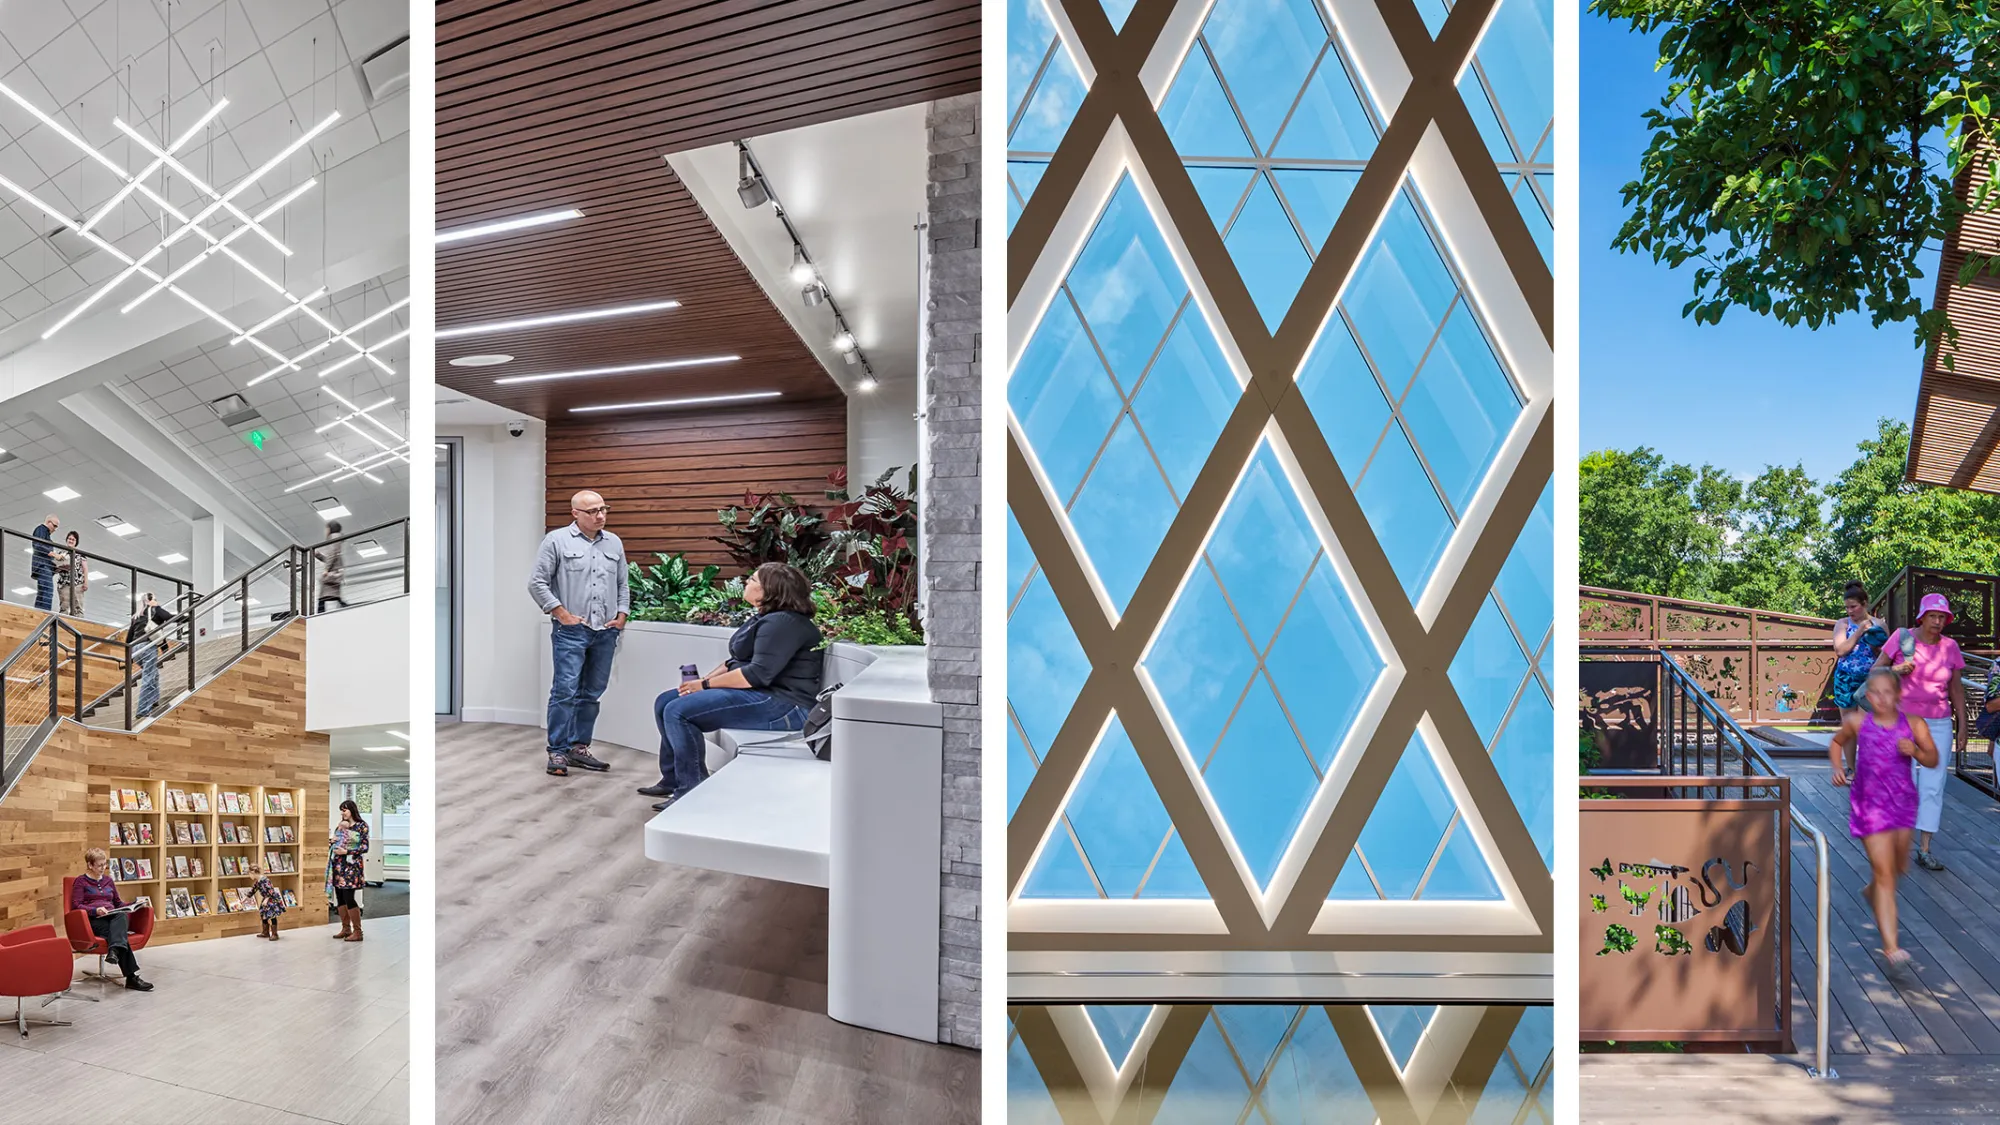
pixel 868 628
pixel 1588 755
pixel 769 528
pixel 664 611
pixel 872 558
pixel 671 581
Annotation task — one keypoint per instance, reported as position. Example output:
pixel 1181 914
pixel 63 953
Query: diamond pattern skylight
pixel 1500 674
pixel 1263 664
pixel 1114 839
pixel 1044 88
pixel 1275 135
pixel 1121 393
pixel 1416 843
pixel 1510 91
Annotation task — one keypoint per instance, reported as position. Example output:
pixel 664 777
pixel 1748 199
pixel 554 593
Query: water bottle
pixel 689 672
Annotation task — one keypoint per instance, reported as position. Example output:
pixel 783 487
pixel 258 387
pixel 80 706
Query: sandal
pixel 1898 959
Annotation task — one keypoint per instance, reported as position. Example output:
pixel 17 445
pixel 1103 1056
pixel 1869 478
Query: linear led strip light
pixel 400 451
pixel 295 363
pixel 188 224
pixel 665 402
pixel 553 318
pixel 350 469
pixel 624 369
pixel 219 201
pixel 525 222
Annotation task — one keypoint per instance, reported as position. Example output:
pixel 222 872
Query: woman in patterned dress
pixel 270 904
pixel 1857 638
pixel 344 870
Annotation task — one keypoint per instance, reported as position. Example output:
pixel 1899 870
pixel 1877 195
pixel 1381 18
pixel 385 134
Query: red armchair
pixel 84 940
pixel 35 962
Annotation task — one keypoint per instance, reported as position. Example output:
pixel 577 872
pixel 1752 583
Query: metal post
pixel 243 610
pixel 130 687
pixel 79 676
pixel 406 556
pixel 55 673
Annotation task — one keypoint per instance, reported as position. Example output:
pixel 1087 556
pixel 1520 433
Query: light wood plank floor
pixel 238 1029
pixel 579 981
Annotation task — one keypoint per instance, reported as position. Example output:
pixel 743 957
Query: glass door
pixel 385 806
pixel 449 452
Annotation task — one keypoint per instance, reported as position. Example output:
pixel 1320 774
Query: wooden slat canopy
pixel 543 106
pixel 1957 424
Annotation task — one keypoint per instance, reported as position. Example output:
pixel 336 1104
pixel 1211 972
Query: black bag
pixel 818 733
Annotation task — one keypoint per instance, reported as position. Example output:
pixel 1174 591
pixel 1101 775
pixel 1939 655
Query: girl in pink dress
pixel 1882 795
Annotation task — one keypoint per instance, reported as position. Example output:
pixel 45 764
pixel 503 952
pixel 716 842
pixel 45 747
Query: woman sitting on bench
pixel 768 683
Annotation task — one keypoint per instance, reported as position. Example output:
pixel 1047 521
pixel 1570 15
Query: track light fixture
pixel 802 270
pixel 844 340
pixel 814 294
pixel 749 185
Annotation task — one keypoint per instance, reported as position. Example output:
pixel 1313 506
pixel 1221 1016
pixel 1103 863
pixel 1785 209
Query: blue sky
pixel 1740 395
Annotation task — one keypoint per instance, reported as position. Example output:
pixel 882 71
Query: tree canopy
pixel 1804 153
pixel 1779 542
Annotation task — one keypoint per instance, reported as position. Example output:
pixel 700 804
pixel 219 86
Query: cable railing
pixel 34 571
pixel 124 676
pixel 1697 738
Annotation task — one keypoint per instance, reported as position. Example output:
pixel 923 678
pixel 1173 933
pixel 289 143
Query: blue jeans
pixel 583 668
pixel 148 656
pixel 45 589
pixel 683 719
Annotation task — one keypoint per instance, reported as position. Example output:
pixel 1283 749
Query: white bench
pixel 868 826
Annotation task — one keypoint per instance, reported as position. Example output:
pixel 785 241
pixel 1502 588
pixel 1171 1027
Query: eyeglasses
pixel 601 509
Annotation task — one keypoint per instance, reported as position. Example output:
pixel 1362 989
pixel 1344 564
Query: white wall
pixel 502 513
pixel 358 666
pixel 881 432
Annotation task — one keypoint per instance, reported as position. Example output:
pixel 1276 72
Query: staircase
pixel 61 674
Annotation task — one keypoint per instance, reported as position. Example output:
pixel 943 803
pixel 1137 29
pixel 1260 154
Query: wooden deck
pixel 1947 1007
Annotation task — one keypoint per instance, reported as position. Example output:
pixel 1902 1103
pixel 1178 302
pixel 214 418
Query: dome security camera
pixel 516 429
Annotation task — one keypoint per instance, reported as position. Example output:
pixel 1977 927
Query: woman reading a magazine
pixel 344 870
pixel 95 893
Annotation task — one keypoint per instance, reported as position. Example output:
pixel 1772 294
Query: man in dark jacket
pixel 43 565
pixel 145 650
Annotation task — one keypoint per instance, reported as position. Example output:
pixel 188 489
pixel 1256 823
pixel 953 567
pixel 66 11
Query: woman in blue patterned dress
pixel 1857 638
pixel 343 868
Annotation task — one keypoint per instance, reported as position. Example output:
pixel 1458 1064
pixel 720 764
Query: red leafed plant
pixel 871 559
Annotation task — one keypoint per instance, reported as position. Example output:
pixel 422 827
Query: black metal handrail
pixel 180 634
pixel 40 549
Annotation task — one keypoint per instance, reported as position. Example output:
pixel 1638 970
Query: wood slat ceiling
pixel 544 105
pixel 1957 425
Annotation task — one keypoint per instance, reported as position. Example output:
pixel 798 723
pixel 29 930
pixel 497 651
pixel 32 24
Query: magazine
pixel 200 802
pixel 201 904
pixel 129 868
pixel 285 799
pixel 285 831
pixel 175 801
pixel 291 900
pixel 195 870
pixel 182 834
pixel 178 865
pixel 200 836
pixel 115 841
pixel 131 833
pixel 145 832
pixel 145 869
pixel 229 803
pixel 183 901
pixel 145 800
pixel 128 799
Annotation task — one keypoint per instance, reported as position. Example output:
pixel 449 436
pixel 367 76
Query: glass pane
pixel 1461 407
pixel 1118 1026
pixel 1264 50
pixel 1122 512
pixel 445 509
pixel 1402 1025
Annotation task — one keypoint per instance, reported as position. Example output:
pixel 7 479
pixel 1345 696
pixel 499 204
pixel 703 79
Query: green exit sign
pixel 255 438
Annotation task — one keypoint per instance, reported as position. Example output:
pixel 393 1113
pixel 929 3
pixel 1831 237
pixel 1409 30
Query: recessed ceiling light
pixel 369 549
pixel 330 508
pixel 494 359
pixel 62 493
pixel 626 369
pixel 344 773
pixel 176 557
pixel 381 749
pixel 399 734
pixel 672 402
pixel 122 530
pixel 459 234
pixel 98 576
pixel 107 521
pixel 24 591
pixel 553 318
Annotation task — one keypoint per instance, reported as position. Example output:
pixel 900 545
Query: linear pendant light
pixel 554 318
pixel 626 369
pixel 696 401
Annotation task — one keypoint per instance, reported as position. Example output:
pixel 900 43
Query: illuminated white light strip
pixel 293 364
pixel 279 315
pixel 662 365
pixel 133 183
pixel 504 225
pixel 199 185
pixel 672 402
pixel 553 318
pixel 364 412
pixel 354 470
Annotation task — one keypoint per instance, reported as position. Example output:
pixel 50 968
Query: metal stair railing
pixel 205 633
pixel 114 585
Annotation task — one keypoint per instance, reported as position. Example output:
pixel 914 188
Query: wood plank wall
pixel 246 728
pixel 666 476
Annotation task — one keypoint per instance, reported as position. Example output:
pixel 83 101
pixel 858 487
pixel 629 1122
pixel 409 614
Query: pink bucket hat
pixel 1934 602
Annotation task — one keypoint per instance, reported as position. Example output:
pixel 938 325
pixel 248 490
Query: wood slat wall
pixel 247 728
pixel 666 476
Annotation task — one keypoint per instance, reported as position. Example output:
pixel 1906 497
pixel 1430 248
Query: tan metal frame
pixel 1431 140
pixel 1447 1073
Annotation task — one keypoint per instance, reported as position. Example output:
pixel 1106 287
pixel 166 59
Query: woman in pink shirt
pixel 1929 663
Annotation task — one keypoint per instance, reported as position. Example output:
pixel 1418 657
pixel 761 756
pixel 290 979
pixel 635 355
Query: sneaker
pixel 658 789
pixel 580 756
pixel 1928 863
pixel 137 985
pixel 558 764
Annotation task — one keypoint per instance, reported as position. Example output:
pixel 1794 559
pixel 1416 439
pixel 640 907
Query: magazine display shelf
pixel 203 809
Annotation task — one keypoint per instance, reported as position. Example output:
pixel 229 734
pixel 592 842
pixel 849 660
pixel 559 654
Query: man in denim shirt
pixel 580 581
